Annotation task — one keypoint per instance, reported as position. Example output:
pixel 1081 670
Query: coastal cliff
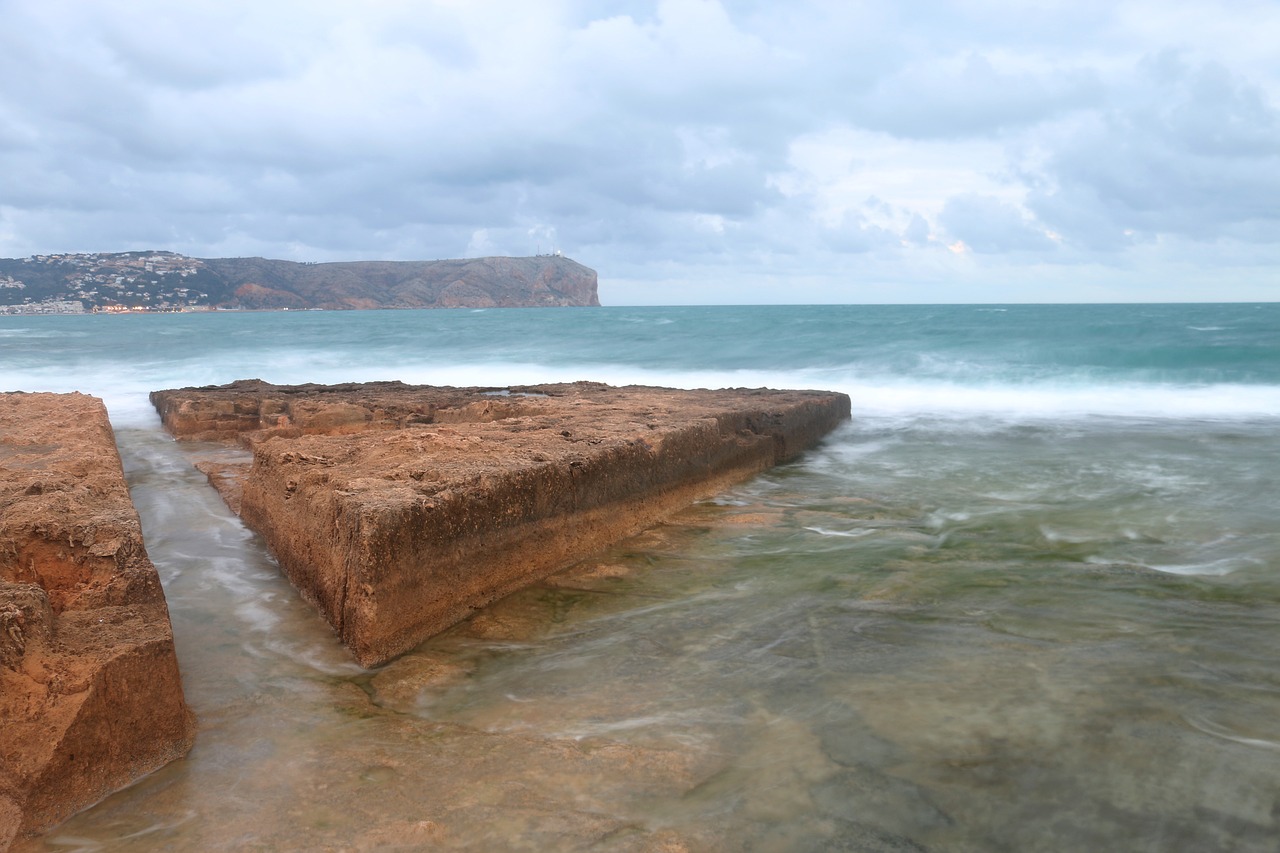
pixel 164 281
pixel 90 694
pixel 543 281
pixel 399 510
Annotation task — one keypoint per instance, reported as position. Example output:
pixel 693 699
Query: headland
pixel 165 281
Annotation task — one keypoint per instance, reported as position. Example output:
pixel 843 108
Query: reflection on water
pixel 1024 638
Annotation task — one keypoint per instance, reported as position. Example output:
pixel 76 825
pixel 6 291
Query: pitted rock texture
pixel 90 694
pixel 400 510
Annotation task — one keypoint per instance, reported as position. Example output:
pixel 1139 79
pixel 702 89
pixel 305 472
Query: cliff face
pixel 546 280
pixel 400 510
pixel 90 695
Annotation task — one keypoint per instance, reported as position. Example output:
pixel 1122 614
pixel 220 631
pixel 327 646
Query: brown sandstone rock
pixel 400 510
pixel 90 696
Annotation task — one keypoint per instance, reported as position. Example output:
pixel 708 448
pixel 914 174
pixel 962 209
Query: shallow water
pixel 957 625
pixel 899 642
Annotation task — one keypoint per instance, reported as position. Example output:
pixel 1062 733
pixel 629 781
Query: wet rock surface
pixel 400 510
pixel 90 694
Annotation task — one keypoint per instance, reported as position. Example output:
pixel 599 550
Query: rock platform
pixel 400 510
pixel 90 694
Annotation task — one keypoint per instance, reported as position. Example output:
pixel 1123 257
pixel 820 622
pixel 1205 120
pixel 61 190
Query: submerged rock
pixel 400 510
pixel 90 695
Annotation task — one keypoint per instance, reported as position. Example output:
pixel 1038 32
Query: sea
pixel 1027 599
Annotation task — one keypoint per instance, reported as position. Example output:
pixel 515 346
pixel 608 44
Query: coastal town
pixel 102 283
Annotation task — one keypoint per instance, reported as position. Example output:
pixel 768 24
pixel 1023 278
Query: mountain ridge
pixel 167 281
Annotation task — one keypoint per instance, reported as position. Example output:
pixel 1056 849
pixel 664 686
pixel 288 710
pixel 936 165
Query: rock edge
pixel 90 693
pixel 400 510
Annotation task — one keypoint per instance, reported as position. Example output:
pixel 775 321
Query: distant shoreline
pixel 165 282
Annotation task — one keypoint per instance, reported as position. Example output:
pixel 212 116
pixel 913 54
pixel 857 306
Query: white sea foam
pixel 1048 400
pixel 851 534
pixel 898 383
pixel 323 656
pixel 1218 731
pixel 894 399
pixel 257 615
pixel 1210 568
pixel 23 332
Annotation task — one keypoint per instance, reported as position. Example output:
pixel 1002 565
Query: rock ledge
pixel 90 695
pixel 399 510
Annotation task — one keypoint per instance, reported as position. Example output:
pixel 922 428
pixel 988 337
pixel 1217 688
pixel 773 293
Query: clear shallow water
pixel 1028 600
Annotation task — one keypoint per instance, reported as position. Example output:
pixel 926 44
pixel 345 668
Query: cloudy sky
pixel 691 151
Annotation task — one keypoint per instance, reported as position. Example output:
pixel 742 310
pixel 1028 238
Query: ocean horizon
pixel 1028 598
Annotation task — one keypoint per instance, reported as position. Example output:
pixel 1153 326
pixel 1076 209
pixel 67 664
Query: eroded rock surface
pixel 400 510
pixel 90 695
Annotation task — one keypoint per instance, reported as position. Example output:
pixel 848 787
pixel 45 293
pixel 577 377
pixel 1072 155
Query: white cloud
pixel 889 182
pixel 972 94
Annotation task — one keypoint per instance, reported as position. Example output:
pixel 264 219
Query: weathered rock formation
pixel 399 510
pixel 90 696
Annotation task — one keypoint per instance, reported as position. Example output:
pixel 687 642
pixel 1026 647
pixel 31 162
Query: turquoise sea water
pixel 1029 599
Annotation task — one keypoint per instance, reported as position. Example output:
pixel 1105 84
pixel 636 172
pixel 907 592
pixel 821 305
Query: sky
pixel 690 151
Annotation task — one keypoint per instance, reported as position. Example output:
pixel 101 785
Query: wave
pixel 125 387
pixel 22 332
pixel 124 382
pixel 1050 400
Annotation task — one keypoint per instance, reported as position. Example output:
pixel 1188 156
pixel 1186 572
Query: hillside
pixel 164 281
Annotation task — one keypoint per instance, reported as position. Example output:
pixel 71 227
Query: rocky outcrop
pixel 90 695
pixel 399 510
